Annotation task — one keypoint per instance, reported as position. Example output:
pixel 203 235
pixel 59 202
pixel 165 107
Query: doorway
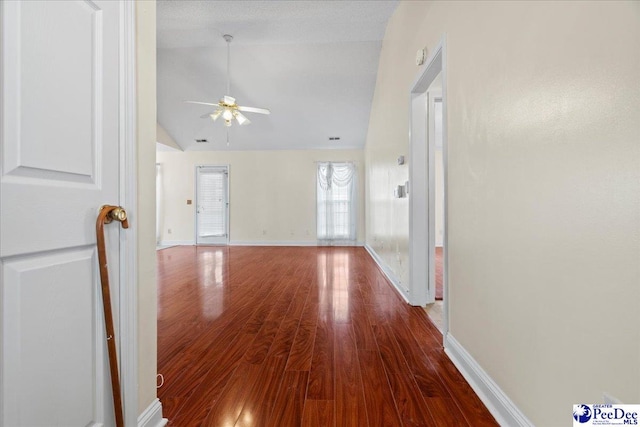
pixel 436 190
pixel 428 195
pixel 212 205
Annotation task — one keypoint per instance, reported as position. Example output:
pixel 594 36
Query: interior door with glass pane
pixel 212 205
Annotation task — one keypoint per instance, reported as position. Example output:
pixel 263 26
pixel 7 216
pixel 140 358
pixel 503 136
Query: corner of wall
pixel 152 416
pixel 146 244
pixel 497 402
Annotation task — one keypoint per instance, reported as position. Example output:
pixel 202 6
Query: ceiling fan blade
pixel 228 100
pixel 254 110
pixel 206 116
pixel 242 120
pixel 199 102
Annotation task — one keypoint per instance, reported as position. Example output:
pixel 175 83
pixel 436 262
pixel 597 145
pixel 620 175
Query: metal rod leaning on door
pixel 107 215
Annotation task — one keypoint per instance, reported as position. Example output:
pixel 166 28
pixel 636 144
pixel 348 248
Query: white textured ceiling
pixel 312 63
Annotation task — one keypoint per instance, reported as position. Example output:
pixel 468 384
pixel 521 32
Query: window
pixel 336 203
pixel 212 206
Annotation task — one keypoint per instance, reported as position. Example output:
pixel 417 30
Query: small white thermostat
pixel 421 55
pixel 401 160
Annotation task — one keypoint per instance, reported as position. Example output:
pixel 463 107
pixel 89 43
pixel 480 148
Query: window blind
pixel 211 203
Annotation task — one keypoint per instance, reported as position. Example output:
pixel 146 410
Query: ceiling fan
pixel 227 108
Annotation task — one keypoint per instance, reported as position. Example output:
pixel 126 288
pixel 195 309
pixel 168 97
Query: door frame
pixel 421 186
pixel 195 210
pixel 432 95
pixel 128 192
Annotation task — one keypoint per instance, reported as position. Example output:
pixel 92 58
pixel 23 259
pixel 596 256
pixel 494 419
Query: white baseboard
pixel 152 416
pixel 497 402
pixel 176 243
pixel 389 273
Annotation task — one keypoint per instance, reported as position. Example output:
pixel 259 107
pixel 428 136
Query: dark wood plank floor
pixel 284 336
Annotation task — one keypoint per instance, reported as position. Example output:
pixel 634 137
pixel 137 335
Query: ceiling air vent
pixel 201 141
pixel 334 138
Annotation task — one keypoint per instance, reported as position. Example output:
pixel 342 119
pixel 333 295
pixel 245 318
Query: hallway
pixel 288 336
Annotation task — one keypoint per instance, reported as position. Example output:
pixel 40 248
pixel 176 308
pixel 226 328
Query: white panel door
pixel 212 205
pixel 59 164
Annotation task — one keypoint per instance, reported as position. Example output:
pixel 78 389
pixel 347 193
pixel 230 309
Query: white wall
pixel 163 137
pixel 544 189
pixel 272 193
pixel 147 299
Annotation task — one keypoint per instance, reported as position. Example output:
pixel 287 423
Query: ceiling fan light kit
pixel 227 106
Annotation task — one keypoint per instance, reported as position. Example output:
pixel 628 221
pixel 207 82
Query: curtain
pixel 336 203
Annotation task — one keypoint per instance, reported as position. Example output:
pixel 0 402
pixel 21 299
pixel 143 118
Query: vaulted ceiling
pixel 312 63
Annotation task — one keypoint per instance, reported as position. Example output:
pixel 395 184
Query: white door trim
pixel 418 197
pixel 129 199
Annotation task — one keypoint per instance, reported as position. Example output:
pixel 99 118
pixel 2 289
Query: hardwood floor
pixel 299 336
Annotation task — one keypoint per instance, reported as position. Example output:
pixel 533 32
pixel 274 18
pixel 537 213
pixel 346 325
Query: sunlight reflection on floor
pixel 333 280
pixel 435 313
